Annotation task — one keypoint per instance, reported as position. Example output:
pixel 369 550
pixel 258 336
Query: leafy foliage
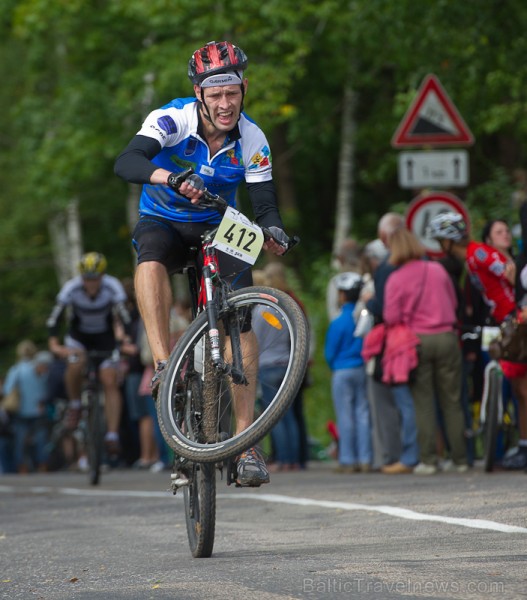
pixel 80 75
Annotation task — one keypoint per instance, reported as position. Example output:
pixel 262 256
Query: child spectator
pixel 343 355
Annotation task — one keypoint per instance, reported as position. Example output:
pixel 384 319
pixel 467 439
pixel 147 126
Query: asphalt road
pixel 311 534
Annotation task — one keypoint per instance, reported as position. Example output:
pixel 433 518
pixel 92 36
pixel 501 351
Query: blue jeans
pixel 36 429
pixel 405 404
pixel 285 434
pixel 353 416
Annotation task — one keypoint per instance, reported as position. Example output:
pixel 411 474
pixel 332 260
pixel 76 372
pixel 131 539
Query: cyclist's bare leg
pixel 73 383
pixel 112 398
pixel 245 395
pixel 154 298
pixel 73 378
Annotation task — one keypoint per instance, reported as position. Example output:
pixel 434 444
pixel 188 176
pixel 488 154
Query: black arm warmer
pixel 263 200
pixel 133 164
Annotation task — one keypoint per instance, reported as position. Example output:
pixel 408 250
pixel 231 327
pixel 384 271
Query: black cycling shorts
pixel 169 242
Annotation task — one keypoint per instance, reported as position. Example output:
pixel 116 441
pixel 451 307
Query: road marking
pixel 394 511
pixel 402 513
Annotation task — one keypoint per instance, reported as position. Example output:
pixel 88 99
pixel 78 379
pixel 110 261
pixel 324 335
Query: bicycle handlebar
pixel 217 203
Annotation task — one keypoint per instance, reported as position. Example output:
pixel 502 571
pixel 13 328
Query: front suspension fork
pixel 236 369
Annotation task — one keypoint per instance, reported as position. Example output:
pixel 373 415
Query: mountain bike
pixel 92 401
pixel 215 358
pixel 494 418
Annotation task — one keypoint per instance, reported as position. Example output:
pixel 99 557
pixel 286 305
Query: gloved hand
pixel 279 235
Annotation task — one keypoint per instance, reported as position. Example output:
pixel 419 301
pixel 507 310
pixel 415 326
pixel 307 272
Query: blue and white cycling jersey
pixel 245 156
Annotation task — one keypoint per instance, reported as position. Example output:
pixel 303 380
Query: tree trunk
pixel 66 240
pixel 344 208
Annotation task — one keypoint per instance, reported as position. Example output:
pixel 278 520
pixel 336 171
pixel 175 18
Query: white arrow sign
pixel 439 169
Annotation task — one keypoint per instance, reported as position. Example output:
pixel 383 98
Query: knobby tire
pixel 490 431
pixel 94 440
pixel 200 509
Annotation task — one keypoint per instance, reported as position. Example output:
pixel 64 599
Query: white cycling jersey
pixel 88 315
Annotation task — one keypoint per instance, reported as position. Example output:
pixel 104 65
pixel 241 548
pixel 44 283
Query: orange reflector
pixel 272 320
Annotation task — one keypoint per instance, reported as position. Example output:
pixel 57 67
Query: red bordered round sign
pixel 423 209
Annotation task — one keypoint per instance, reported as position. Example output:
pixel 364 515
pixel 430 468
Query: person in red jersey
pixel 494 275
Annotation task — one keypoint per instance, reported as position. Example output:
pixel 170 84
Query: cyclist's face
pixel 91 285
pixel 224 104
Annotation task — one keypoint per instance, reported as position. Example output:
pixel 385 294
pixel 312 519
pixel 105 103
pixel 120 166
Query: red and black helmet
pixel 214 58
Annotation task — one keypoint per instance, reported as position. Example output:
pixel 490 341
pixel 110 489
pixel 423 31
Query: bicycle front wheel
pixel 200 509
pixel 94 435
pixel 259 326
pixel 491 425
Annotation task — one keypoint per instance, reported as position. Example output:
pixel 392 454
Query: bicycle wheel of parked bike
pixel 491 425
pixel 261 324
pixel 94 435
pixel 200 509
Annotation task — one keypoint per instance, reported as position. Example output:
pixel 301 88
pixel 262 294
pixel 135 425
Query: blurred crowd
pixel 413 412
pixel 407 384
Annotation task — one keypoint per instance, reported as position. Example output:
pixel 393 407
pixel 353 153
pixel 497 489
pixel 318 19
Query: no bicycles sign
pixel 424 208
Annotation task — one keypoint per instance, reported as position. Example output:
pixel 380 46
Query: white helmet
pixel 348 281
pixel 447 226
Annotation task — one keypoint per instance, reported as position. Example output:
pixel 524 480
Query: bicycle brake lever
pixel 174 180
pixel 289 245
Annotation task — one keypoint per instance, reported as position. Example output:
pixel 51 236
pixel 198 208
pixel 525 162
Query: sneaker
pixel 157 378
pixel 396 468
pixel 346 469
pixel 157 467
pixel 82 464
pixel 424 469
pixel 516 461
pixel 142 465
pixel 251 469
pixel 449 466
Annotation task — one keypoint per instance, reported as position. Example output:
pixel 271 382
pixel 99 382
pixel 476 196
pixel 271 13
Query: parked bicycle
pixel 212 361
pixel 494 416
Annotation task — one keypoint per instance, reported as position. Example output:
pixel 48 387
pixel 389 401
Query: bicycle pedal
pixel 177 482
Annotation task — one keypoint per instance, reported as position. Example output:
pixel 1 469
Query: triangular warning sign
pixel 432 120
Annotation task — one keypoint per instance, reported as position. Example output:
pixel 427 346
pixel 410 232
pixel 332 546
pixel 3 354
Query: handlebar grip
pixel 175 180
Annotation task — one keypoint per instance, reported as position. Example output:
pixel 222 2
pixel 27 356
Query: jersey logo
pixel 205 170
pixel 481 254
pixel 192 144
pixel 167 124
pixel 497 267
pixel 260 159
pixel 232 158
pixel 184 164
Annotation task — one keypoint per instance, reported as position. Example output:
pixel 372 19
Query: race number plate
pixel 238 237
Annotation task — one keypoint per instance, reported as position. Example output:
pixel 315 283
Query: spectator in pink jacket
pixel 421 295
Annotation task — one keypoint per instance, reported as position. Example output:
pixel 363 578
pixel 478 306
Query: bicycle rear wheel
pixel 260 323
pixel 200 509
pixel 491 424
pixel 94 435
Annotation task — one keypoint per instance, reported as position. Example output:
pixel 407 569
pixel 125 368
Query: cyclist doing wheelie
pixel 210 133
pixel 492 274
pixel 95 305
